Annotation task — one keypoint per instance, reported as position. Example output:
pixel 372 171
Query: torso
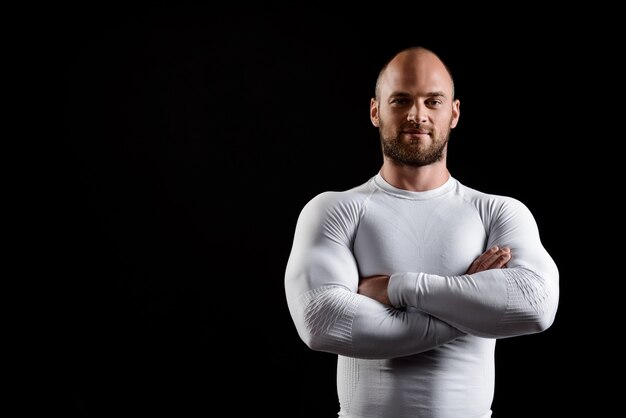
pixel 440 232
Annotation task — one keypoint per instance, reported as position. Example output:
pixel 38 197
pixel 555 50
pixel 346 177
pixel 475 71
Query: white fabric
pixel 433 354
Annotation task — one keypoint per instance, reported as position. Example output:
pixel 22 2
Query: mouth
pixel 416 133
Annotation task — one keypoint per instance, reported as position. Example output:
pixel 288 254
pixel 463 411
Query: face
pixel 415 110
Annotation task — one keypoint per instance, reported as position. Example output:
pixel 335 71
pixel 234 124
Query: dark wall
pixel 190 143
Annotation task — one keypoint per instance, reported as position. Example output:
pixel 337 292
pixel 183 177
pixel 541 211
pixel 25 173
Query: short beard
pixel 413 154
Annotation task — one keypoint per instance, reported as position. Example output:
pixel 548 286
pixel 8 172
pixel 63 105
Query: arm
pixel 494 303
pixel 321 283
pixel 376 287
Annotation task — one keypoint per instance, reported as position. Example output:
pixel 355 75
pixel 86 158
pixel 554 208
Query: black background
pixel 192 139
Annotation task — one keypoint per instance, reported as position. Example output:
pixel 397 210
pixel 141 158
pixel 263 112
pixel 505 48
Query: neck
pixel 415 179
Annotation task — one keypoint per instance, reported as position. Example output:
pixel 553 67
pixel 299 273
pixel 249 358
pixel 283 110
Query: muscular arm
pixel 321 283
pixel 495 303
pixel 376 287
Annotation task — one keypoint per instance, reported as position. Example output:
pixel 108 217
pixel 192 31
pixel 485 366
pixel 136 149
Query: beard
pixel 414 153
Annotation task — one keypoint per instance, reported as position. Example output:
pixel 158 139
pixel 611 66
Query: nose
pixel 417 113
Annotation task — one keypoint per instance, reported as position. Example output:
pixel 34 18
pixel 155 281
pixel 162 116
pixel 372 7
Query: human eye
pixel 399 101
pixel 434 102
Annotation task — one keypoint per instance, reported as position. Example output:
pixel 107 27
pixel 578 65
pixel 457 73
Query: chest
pixel 440 237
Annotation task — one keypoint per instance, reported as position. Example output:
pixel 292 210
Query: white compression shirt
pixel 433 354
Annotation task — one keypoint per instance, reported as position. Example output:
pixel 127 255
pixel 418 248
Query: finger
pixel 481 259
pixel 498 260
pixel 491 259
pixel 501 261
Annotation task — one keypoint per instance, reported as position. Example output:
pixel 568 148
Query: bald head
pixel 411 63
pixel 415 109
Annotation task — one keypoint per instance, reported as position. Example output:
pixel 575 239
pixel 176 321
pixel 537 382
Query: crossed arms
pixel 509 291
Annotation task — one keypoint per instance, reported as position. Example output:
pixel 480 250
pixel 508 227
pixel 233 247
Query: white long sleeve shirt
pixel 432 354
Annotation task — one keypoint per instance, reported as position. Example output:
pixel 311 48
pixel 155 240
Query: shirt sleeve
pixel 517 300
pixel 321 283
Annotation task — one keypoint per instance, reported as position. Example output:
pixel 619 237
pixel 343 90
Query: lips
pixel 417 132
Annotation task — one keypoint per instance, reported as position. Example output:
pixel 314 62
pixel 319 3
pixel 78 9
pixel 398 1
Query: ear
pixel 456 112
pixel 374 112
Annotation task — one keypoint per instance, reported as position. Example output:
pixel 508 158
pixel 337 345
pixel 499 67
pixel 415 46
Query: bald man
pixel 411 277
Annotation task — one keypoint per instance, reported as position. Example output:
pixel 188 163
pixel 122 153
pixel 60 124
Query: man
pixel 411 277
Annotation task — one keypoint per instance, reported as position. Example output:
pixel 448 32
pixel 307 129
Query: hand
pixel 493 258
pixel 375 287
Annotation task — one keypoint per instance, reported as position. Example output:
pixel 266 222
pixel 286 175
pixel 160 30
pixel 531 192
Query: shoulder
pixel 491 205
pixel 346 202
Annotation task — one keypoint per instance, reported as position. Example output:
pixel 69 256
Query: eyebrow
pixel 430 94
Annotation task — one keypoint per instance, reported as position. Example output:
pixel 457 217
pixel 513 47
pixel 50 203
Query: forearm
pixel 321 285
pixel 337 320
pixel 493 303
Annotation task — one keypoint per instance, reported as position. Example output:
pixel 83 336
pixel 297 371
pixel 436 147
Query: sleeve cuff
pixel 403 289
